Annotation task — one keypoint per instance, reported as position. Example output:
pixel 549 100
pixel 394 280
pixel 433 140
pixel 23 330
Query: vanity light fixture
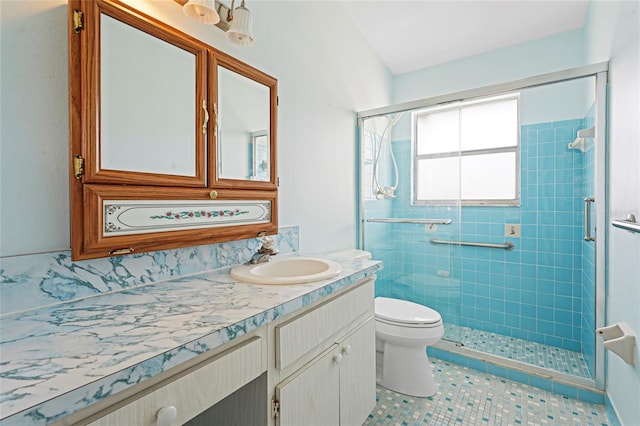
pixel 236 23
pixel 240 31
pixel 202 11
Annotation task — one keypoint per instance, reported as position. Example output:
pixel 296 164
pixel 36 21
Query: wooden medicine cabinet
pixel 172 142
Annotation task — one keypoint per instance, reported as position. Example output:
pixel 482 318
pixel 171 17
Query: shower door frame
pixel 600 72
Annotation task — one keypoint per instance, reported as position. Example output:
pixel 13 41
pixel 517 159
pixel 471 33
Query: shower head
pixel 387 192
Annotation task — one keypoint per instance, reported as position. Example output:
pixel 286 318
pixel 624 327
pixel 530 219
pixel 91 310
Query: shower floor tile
pixel 470 397
pixel 551 357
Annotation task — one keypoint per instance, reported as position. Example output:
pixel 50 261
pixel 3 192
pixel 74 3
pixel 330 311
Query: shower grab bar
pixel 587 219
pixel 629 224
pixel 505 246
pixel 415 221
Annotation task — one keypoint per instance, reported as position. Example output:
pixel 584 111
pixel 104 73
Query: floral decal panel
pixel 125 217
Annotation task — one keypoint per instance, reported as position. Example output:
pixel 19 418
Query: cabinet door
pixel 310 396
pixel 358 375
pixel 139 108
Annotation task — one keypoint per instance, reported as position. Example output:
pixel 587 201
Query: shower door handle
pixel 587 219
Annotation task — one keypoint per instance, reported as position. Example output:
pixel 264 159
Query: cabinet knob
pixel 166 416
pixel 337 358
pixel 346 349
pixel 213 194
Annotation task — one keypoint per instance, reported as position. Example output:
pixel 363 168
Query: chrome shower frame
pixel 600 72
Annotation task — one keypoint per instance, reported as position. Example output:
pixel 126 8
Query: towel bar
pixel 505 246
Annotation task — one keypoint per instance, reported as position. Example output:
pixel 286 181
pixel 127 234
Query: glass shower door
pixel 399 233
pixel 533 290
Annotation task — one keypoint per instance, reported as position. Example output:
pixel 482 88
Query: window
pixel 467 152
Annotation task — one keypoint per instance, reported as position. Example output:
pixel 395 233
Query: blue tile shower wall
pixel 534 292
pixel 31 281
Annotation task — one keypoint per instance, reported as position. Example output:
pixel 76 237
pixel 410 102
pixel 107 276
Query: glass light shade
pixel 202 11
pixel 240 30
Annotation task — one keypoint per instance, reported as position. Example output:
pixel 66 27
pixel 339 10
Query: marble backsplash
pixel 31 281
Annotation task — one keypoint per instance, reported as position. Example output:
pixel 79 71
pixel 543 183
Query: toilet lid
pixel 403 311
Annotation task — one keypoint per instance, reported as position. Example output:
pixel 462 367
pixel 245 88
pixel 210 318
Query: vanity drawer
pixel 194 391
pixel 301 334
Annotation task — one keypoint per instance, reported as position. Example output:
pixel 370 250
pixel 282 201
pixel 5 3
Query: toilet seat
pixel 405 314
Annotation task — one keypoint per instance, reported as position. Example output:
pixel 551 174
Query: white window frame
pixel 465 202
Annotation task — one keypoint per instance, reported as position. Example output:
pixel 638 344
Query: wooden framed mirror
pixel 147 167
pixel 143 87
pixel 246 105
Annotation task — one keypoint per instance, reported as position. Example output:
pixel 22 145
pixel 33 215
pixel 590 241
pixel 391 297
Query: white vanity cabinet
pixel 314 366
pixel 337 388
pixel 325 362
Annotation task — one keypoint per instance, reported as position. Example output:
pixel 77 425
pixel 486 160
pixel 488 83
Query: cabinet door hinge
pixel 78 20
pixel 277 100
pixel 275 407
pixel 78 166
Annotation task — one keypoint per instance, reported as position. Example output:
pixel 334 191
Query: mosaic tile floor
pixel 551 357
pixel 469 397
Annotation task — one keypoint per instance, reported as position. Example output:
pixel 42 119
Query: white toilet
pixel 403 331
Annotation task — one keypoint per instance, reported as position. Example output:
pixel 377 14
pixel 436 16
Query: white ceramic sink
pixel 288 270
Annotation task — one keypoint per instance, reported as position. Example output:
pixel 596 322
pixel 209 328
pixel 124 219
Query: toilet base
pixel 407 370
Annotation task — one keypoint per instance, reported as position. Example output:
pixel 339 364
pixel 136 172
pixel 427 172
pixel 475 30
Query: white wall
pixel 325 70
pixel 563 51
pixel 613 34
pixel 499 66
pixel 34 212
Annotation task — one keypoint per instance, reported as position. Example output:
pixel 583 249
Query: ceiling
pixel 410 35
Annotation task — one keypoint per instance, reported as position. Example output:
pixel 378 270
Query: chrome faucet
pixel 264 253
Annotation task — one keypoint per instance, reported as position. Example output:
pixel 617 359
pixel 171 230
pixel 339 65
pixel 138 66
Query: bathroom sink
pixel 292 270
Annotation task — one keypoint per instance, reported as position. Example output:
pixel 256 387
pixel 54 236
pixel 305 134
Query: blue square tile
pixel 483 314
pixel 518 376
pixel 477 365
pixel 564 134
pixel 565 390
pixel 545 299
pixel 529 311
pixel 545 327
pixel 459 359
pixel 541 383
pixel 497 318
pixel 512 320
pixel 546 272
pixel 564 288
pixel 483 291
pixel 545 286
pixel 497 371
pixel 563 331
pixel 512 296
pixel 564 302
pixel 591 397
pixel 512 270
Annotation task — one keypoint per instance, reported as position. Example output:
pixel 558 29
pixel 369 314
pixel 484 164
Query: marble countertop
pixel 59 359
